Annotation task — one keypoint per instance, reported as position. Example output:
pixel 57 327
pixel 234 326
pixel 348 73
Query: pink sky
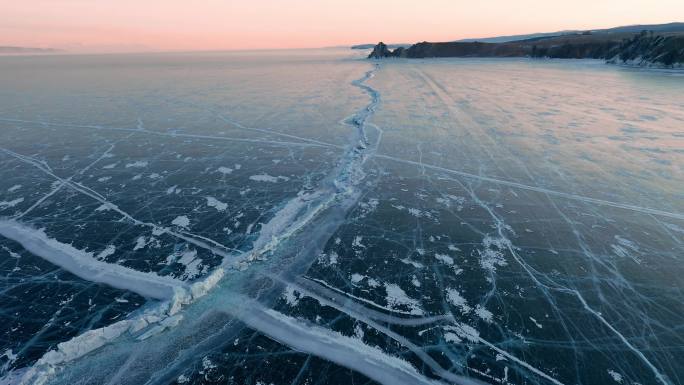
pixel 134 25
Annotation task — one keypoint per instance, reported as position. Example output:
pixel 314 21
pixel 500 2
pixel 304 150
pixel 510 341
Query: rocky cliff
pixel 648 49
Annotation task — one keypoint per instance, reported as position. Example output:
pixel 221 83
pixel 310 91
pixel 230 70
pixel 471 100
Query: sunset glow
pixel 128 25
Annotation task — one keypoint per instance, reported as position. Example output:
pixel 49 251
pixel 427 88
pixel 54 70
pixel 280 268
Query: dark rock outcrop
pixel 380 51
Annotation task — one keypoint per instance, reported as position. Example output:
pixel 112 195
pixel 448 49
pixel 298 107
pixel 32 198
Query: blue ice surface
pixel 313 217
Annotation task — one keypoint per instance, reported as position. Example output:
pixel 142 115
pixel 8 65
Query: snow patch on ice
pixel 447 260
pixel 397 297
pixel 329 259
pixel 452 338
pixel 369 206
pixel 356 278
pixel 268 178
pixel 9 204
pixel 172 190
pixel 415 264
pixel 415 282
pixel 483 313
pixel 291 296
pixel 138 164
pixel 215 203
pixel 465 332
pixel 140 243
pixel 108 251
pixel 356 243
pixel 415 212
pixel 181 221
pixel 492 254
pixel 617 377
pixel 455 298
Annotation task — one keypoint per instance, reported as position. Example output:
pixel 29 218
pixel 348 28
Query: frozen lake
pixel 311 217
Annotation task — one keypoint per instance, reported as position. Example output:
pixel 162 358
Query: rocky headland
pixel 645 48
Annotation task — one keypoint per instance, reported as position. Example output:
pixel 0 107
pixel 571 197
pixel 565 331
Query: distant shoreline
pixel 15 50
pixel 655 45
pixel 644 49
